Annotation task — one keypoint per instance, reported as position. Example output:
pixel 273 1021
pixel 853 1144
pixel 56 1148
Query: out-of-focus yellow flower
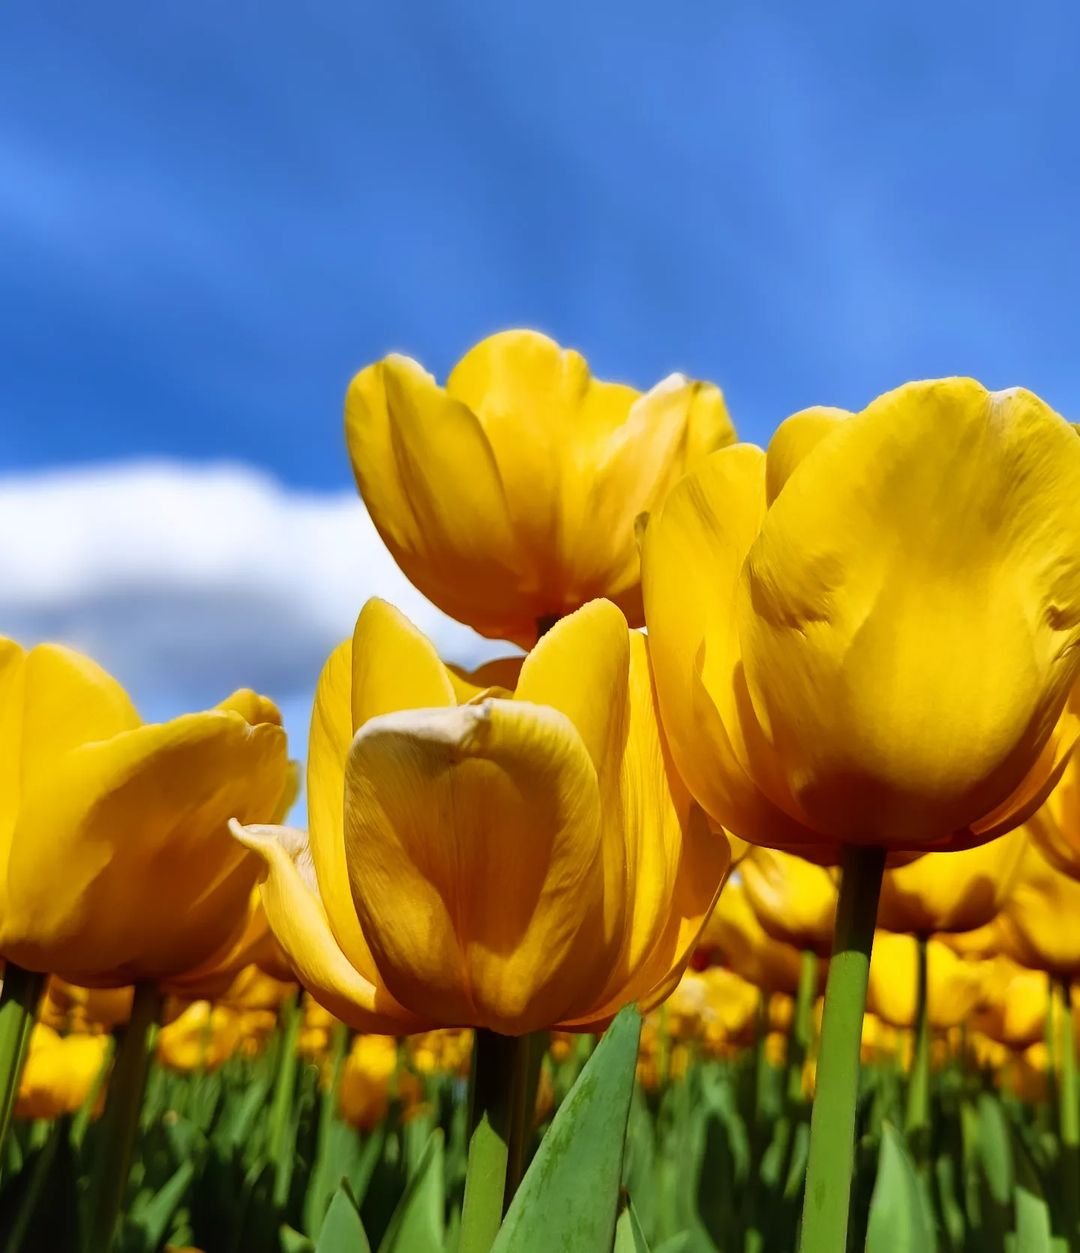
pixel 837 662
pixel 515 862
pixel 509 496
pixel 441 1052
pixel 59 1073
pixel 953 985
pixel 880 1040
pixel 65 1005
pixel 735 933
pixel 201 1037
pixel 1036 924
pixel 314 1041
pixel 957 891
pixel 1012 1004
pixel 370 1076
pixel 561 1046
pixel 1025 1073
pixel 253 989
pixel 794 899
pixel 118 865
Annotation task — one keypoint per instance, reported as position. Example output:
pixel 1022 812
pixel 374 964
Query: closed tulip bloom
pixel 953 985
pixel 65 1004
pixel 60 1073
pixel 368 1081
pixel 118 865
pixel 518 861
pixel 734 932
pixel 794 900
pixel 954 892
pixel 201 1037
pixel 866 636
pixel 508 497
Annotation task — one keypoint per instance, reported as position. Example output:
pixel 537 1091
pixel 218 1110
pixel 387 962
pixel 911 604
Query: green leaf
pixel 1033 1233
pixel 901 1220
pixel 293 1241
pixel 629 1238
pixel 342 1231
pixel 995 1148
pixel 417 1225
pixel 570 1194
pixel 154 1217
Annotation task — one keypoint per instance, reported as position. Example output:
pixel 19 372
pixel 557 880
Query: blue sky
pixel 213 215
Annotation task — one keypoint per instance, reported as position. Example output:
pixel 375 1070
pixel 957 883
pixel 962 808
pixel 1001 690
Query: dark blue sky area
pixel 212 214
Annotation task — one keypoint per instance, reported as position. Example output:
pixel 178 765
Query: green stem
pixel 120 1121
pixel 521 1130
pixel 1069 1115
pixel 281 1104
pixel 500 1068
pixel 917 1120
pixel 832 1123
pixel 18 1008
pixel 802 1026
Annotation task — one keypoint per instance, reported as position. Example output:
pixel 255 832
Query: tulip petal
pixel 428 476
pixel 299 921
pixel 793 440
pixel 151 884
pixel 692 555
pixel 473 840
pixel 910 610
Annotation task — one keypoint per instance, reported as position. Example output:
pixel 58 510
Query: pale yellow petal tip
pixel 268 841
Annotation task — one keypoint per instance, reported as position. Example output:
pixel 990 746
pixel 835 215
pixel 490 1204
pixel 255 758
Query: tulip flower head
pixel 118 864
pixel 508 497
pixel 487 858
pixel 866 636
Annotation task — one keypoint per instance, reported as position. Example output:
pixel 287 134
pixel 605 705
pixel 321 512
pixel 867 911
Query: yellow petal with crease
pixel 293 906
pixel 473 841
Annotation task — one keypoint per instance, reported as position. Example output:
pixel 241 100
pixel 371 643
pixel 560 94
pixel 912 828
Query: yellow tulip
pixel 866 636
pixel 1036 924
pixel 509 496
pixel 953 985
pixel 444 1052
pixel 66 1004
pixel 794 900
pixel 59 1073
pixel 369 1077
pixel 201 1037
pixel 958 891
pixel 1013 1003
pixel 519 861
pixel 735 933
pixel 118 865
pixel 252 989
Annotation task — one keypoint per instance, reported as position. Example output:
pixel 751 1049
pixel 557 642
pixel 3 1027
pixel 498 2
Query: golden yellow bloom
pixel 958 891
pixel 953 985
pixel 442 1052
pixel 867 636
pixel 59 1073
pixel 1036 926
pixel 367 1079
pixel 734 933
pixel 67 1005
pixel 509 496
pixel 201 1037
pixel 519 861
pixel 252 989
pixel 118 865
pixel 1013 1003
pixel 794 899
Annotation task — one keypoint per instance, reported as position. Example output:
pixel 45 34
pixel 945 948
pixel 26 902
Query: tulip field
pixel 734 908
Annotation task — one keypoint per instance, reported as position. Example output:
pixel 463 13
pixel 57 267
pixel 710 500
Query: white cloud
pixel 187 581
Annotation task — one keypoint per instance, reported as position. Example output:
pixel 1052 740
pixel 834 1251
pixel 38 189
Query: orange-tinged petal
pixel 473 840
pixel 291 899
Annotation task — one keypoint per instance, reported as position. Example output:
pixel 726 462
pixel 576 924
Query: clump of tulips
pixel 746 930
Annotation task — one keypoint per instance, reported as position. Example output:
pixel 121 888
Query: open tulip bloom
pixel 506 859
pixel 862 643
pixel 508 497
